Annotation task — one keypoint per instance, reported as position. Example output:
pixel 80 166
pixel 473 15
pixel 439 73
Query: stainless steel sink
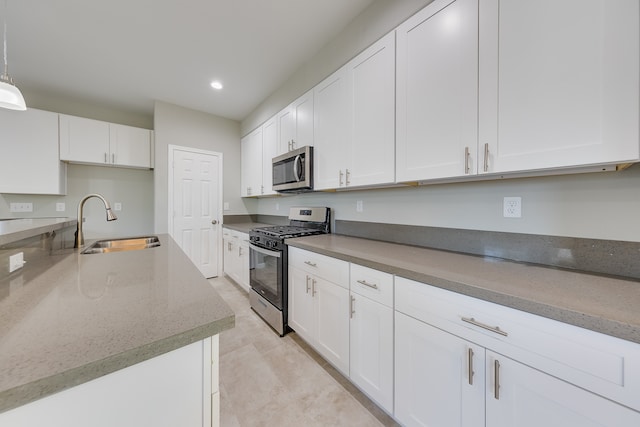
pixel 124 244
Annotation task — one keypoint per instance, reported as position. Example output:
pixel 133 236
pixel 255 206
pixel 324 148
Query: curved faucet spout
pixel 110 216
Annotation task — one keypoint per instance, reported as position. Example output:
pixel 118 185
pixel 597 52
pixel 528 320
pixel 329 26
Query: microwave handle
pixel 296 170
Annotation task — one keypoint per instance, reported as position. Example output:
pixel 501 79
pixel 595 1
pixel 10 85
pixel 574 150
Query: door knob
pixel 214 221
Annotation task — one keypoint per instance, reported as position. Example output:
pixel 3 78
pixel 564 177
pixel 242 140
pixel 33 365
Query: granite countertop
pixel 12 230
pixel 84 316
pixel 603 304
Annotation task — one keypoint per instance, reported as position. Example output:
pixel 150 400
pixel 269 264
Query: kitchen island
pixel 74 320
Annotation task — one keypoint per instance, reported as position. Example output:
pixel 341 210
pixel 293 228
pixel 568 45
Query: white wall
pixel 189 128
pixel 133 188
pixel 598 205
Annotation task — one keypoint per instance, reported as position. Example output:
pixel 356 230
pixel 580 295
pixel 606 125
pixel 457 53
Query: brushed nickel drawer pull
pixel 470 361
pixel 496 379
pixel 371 285
pixel 474 322
pixel 309 263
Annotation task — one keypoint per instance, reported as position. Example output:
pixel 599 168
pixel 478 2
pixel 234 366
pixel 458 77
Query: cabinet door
pixel 243 265
pixel 269 151
pixel 228 256
pixel 29 163
pixel 251 164
pixel 437 91
pixel 84 140
pixel 303 112
pixel 556 91
pixel 129 146
pixel 332 322
pixel 332 132
pixel 301 304
pixel 433 383
pixel 286 127
pixel 527 397
pixel 371 350
pixel 372 103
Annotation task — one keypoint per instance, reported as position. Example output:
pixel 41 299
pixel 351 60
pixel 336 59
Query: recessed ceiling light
pixel 216 85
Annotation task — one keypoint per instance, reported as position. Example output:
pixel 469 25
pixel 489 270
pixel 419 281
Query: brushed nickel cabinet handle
pixel 352 309
pixel 371 285
pixel 466 161
pixel 486 157
pixel 496 379
pixel 113 158
pixel 105 157
pixel 347 178
pixel 340 175
pixel 495 329
pixel 308 284
pixel 313 287
pixel 470 365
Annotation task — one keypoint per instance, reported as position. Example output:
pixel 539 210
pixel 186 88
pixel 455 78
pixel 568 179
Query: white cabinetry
pixel 556 91
pixel 269 151
pixel 236 256
pixel 172 389
pixel 251 164
pixel 437 92
pixel 96 142
pixel 354 121
pixel 371 334
pixel 30 163
pixel 296 124
pixel 319 304
pixel 457 352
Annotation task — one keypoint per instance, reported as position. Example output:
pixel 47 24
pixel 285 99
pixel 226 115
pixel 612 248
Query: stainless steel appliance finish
pixel 269 258
pixel 293 171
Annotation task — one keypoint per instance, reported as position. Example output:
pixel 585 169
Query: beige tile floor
pixel 266 380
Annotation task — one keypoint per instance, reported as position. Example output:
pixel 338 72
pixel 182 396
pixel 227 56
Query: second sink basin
pixel 124 244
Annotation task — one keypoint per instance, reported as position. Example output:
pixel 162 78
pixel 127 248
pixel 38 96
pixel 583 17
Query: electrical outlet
pixel 226 206
pixel 21 207
pixel 60 207
pixel 16 261
pixel 117 206
pixel 359 207
pixel 512 207
pixel 277 206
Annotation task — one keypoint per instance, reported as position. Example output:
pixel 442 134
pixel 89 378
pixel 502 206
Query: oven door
pixel 266 274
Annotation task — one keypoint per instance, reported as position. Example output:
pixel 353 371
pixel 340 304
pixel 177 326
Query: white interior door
pixel 195 188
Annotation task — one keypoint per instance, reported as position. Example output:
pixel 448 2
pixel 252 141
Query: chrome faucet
pixel 110 217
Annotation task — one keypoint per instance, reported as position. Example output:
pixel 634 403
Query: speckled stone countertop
pixel 603 304
pixel 12 230
pixel 245 227
pixel 85 316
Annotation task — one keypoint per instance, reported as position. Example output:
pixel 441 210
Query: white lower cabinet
pixel 439 377
pixel 236 256
pixel 319 304
pixel 465 362
pixel 166 391
pixel 371 334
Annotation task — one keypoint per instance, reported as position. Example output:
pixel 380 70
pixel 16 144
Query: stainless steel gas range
pixel 268 262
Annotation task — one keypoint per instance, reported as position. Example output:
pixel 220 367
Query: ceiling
pixel 126 54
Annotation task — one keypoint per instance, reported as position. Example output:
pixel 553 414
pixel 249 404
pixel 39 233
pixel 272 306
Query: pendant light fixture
pixel 10 96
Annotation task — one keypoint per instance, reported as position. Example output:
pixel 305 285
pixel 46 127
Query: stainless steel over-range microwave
pixel 293 171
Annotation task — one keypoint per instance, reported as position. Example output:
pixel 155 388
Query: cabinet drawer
pixel 331 269
pixel 600 363
pixel 373 284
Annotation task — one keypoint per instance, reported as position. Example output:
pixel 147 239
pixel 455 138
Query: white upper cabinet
pixel 296 124
pixel 354 121
pixel 96 142
pixel 437 92
pixel 30 163
pixel 269 151
pixel 559 83
pixel 251 164
pixel 372 97
pixel 332 155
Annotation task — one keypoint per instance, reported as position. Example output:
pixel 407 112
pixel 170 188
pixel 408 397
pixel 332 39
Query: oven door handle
pixel 276 254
